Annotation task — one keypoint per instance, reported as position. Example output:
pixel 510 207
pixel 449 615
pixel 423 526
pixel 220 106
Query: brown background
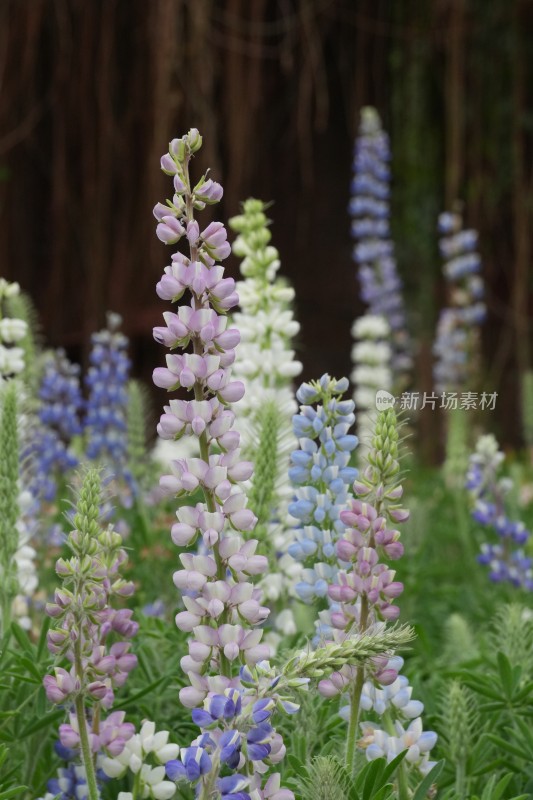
pixel 92 90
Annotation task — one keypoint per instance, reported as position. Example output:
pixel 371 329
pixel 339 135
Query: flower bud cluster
pixel 456 342
pixel 381 286
pixel 83 620
pixel 507 558
pixel 12 331
pixel 107 383
pixel 363 600
pixel 367 588
pixel 321 475
pixel 145 755
pixel 223 609
pixel 59 411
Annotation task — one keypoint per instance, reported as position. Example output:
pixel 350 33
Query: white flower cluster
pixel 24 559
pixel 11 331
pixel 371 356
pixel 266 362
pixel 266 365
pixel 394 701
pixel 145 746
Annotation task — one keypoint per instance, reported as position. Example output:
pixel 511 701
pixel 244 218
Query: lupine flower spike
pixel 9 506
pixel 12 332
pixel 365 595
pixel 107 382
pixel 321 476
pixel 83 620
pixel 457 342
pixel 223 610
pixel 381 286
pixel 267 366
pixel 50 451
pixel 371 355
pixel 506 558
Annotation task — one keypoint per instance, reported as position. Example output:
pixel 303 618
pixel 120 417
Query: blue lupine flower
pixel 506 559
pixel 321 475
pixel 231 787
pixel 50 453
pixel 381 286
pixel 458 324
pixel 107 378
pixel 194 762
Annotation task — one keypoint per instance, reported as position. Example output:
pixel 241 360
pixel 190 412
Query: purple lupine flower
pixel 381 286
pixel 507 559
pixel 60 402
pixel 85 630
pixel 321 475
pixel 106 380
pixel 456 343
pixel 223 609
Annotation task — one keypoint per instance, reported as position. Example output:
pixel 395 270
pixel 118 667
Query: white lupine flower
pixel 370 326
pixel 286 623
pixel 371 352
pixel 395 700
pixel 135 757
pixel 8 289
pixel 372 371
pixel 266 365
pixel 12 330
pixel 11 360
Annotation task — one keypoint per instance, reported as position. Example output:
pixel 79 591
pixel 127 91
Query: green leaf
pixel 147 689
pixel 428 781
pixel 507 746
pixel 393 765
pixel 12 792
pixel 41 645
pixel 22 638
pixel 54 716
pixel 506 674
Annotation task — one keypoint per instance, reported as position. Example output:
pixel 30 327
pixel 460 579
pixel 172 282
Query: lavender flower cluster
pixel 456 342
pixel 223 610
pixel 381 286
pixel 59 422
pixel 506 559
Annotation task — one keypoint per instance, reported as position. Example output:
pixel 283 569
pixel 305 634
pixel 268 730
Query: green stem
pixel 85 746
pixel 355 697
pixel 136 786
pixel 460 779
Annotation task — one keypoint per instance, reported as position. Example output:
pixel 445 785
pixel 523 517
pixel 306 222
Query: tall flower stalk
pixel 83 620
pixel 223 610
pixel 50 450
pixel 12 331
pixel 456 346
pixel 9 505
pixel 107 382
pixel 381 286
pixel 267 366
pixel 507 558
